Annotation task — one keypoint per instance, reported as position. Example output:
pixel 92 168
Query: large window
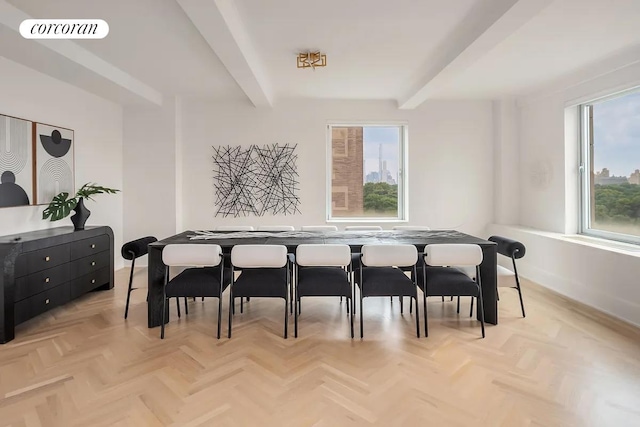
pixel 367 173
pixel 610 165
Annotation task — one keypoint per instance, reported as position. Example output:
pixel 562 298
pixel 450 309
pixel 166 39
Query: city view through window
pixel 365 171
pixel 615 165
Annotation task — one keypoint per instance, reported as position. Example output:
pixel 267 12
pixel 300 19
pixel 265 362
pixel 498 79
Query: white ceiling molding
pixel 479 39
pixel 11 17
pixel 220 24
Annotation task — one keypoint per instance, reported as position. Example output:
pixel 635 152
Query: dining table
pixel 291 239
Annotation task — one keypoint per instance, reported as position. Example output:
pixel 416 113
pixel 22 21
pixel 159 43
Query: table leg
pixel 488 274
pixel 157 271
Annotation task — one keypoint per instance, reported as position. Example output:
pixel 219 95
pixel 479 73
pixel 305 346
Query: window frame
pixel 585 170
pixel 403 172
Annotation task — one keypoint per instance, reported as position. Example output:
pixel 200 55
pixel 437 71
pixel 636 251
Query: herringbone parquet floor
pixel 84 365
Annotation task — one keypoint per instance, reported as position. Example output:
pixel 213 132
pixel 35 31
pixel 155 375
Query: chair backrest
pixel 447 254
pixel 363 228
pixel 389 255
pixel 323 255
pixel 137 248
pixel 259 256
pixel 192 255
pixel 509 247
pixel 319 228
pixel 276 228
pixel 234 228
pixel 411 227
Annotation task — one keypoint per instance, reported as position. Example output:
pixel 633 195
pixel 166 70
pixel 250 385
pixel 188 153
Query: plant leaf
pixel 89 189
pixel 60 207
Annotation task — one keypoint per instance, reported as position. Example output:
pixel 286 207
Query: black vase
pixel 81 215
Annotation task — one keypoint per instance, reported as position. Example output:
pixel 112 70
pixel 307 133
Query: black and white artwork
pixel 54 162
pixel 256 180
pixel 16 162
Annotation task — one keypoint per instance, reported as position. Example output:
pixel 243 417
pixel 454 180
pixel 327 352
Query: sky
pixel 389 137
pixel 616 132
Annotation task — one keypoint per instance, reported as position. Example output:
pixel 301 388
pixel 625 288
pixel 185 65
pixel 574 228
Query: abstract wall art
pixel 54 149
pixel 256 180
pixel 16 162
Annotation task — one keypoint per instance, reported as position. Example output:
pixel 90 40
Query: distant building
pixel 604 178
pixel 635 178
pixel 372 177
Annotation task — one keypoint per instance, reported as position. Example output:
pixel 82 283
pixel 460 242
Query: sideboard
pixel 47 268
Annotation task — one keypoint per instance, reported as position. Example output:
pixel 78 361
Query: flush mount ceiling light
pixel 312 60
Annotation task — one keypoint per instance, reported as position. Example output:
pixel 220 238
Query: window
pixel 610 165
pixel 367 173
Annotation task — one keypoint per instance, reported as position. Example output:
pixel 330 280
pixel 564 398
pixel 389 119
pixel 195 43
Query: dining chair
pixel 131 251
pixel 235 228
pixel 506 278
pixel 362 228
pixel 380 275
pixel 276 228
pixel 200 279
pixel 438 278
pixel 411 227
pixel 509 278
pixel 319 228
pixel 265 273
pixel 323 271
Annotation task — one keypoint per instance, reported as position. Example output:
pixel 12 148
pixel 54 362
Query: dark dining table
pixel 291 239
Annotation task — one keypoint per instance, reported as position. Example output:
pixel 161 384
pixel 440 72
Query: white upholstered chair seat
pixel 363 228
pixel 234 228
pixel 276 228
pixel 259 256
pixel 319 228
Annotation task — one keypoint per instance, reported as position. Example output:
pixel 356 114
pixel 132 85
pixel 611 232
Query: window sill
pixel 629 249
pixel 601 243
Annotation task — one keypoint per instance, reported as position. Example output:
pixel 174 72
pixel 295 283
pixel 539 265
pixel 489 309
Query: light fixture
pixel 312 60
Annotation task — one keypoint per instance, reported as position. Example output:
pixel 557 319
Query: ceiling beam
pixel 478 35
pixel 11 17
pixel 220 24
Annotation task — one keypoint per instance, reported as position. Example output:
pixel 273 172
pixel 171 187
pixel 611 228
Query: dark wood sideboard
pixel 47 268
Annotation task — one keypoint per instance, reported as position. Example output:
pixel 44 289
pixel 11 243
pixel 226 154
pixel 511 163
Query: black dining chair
pixel 380 274
pixel 438 278
pixel 323 271
pixel 205 275
pixel 131 251
pixel 266 273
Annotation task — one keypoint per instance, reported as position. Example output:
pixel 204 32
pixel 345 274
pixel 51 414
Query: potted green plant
pixel 61 205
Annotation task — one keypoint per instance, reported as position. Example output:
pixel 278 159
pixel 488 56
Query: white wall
pixel 450 156
pixel 548 204
pixel 150 171
pixel 97 126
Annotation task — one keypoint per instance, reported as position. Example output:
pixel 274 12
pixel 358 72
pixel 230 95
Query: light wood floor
pixel 84 365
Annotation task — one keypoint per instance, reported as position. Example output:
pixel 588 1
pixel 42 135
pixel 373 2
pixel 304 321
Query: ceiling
pixel 407 50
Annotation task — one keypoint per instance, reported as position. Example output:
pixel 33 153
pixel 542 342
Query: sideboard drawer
pixel 47 258
pixel 41 281
pixel 89 264
pixel 88 282
pixel 86 247
pixel 39 303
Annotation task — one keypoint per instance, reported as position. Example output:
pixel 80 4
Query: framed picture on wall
pixel 16 162
pixel 54 162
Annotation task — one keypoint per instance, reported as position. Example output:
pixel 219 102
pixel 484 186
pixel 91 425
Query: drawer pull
pixel 93 263
pixel 46 301
pixel 93 246
pixel 93 281
pixel 47 259
pixel 46 280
